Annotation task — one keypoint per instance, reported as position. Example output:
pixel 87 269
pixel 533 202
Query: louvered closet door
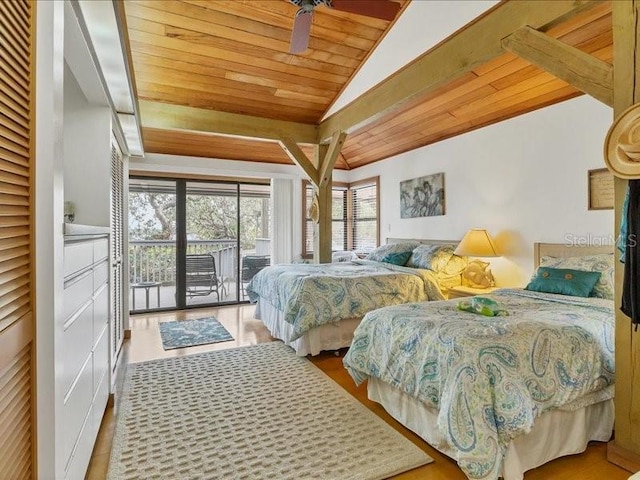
pixel 16 312
pixel 117 253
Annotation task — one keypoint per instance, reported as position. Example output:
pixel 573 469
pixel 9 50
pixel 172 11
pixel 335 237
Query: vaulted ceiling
pixel 232 56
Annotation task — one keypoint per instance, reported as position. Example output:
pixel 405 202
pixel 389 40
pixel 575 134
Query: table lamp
pixel 477 243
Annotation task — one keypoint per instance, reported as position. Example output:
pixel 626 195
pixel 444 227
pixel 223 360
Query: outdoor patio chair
pixel 202 278
pixel 252 264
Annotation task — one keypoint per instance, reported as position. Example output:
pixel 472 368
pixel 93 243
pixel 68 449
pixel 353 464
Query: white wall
pixel 420 27
pixel 523 179
pixel 87 155
pixel 49 240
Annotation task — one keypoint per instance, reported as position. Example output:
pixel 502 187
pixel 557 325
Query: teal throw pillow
pixel 395 253
pixel 563 281
pixel 589 263
pixel 396 258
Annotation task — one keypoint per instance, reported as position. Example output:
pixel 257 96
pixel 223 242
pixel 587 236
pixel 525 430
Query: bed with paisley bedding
pixel 315 307
pixel 500 394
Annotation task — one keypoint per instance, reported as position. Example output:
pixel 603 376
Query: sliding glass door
pixel 152 244
pixel 195 243
pixel 255 238
pixel 211 243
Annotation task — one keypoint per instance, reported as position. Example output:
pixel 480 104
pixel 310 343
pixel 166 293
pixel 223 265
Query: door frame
pixel 181 236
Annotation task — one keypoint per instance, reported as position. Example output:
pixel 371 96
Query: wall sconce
pixel 477 243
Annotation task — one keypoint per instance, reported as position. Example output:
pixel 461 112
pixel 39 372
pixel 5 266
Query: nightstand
pixel 463 291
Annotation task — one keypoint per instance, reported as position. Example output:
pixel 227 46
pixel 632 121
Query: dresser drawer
pixel 100 275
pixel 77 340
pixel 77 404
pixel 100 249
pixel 77 292
pixel 100 359
pixel 100 313
pixel 100 401
pixel 79 462
pixel 77 256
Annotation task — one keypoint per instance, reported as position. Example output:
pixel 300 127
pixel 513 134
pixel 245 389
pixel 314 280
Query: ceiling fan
pixel 382 9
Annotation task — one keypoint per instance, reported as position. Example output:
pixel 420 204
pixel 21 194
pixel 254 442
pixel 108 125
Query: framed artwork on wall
pixel 422 197
pixel 600 189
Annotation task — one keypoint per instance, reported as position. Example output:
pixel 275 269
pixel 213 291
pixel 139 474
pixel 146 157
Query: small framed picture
pixel 601 195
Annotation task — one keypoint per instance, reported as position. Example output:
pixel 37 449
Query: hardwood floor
pixel 238 320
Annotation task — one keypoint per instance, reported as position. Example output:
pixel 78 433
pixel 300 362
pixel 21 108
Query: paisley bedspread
pixel 489 377
pixel 311 295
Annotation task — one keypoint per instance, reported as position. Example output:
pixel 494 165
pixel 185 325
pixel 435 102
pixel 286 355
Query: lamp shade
pixel 477 243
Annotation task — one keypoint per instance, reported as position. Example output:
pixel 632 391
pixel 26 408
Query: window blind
pixel 307 241
pixel 354 217
pixel 339 219
pixel 365 217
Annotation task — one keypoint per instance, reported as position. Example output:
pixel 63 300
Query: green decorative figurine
pixel 482 306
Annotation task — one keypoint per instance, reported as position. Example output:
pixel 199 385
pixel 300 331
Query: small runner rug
pixel 254 413
pixel 189 333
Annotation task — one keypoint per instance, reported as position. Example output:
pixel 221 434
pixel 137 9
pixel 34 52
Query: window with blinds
pixel 339 219
pixel 354 216
pixel 364 200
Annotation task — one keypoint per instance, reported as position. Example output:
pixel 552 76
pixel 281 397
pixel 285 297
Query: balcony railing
pixel 155 260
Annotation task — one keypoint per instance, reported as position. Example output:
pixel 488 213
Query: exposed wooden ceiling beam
pixel 466 49
pixel 298 157
pixel 585 72
pixel 178 117
pixel 329 161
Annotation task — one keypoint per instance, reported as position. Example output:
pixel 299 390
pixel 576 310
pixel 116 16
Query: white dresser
pixel 85 348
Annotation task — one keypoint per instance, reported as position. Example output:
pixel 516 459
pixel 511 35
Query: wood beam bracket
pixel 320 176
pixel 329 160
pixel 579 69
pixel 298 157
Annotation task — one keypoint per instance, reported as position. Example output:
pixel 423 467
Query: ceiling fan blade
pixel 382 9
pixel 301 32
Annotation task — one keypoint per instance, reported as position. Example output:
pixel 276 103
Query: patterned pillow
pixel 589 263
pixel 431 257
pixel 395 253
pixel 343 256
pixel 455 265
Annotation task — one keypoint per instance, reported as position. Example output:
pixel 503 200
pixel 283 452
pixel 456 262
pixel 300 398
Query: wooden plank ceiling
pixel 232 56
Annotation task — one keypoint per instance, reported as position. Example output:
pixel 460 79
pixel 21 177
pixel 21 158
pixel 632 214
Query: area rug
pixel 255 413
pixel 189 333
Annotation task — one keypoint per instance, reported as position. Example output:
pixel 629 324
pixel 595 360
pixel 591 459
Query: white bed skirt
pixel 332 336
pixel 555 434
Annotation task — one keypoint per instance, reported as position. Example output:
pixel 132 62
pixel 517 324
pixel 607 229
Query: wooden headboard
pixel 422 240
pixel 565 250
